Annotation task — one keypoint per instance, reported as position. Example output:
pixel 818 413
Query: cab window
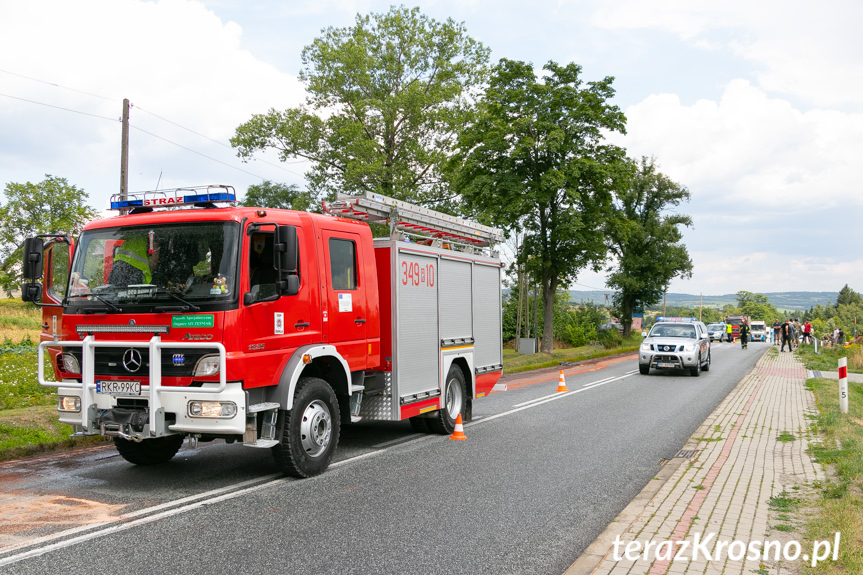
pixel 343 264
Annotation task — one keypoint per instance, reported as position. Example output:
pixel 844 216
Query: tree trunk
pixel 549 289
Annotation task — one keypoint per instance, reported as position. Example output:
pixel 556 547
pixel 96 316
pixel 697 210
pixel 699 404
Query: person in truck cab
pixel 133 262
pixel 261 270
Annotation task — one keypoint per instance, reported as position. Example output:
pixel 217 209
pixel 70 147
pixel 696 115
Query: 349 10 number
pixel 415 274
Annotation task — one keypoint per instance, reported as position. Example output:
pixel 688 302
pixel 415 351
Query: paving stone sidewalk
pixel 741 457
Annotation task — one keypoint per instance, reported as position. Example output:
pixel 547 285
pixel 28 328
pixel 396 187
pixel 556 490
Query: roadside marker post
pixel 843 385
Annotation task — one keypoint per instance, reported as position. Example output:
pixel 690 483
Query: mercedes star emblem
pixel 132 360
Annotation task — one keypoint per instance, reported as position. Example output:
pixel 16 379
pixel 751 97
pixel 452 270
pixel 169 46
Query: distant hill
pixel 792 300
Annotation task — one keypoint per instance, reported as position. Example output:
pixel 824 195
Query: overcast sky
pixel 755 107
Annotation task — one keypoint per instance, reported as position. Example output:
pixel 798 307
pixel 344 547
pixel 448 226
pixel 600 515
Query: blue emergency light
pixel 680 319
pixel 176 197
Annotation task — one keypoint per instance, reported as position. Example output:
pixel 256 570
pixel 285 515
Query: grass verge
pixel 840 507
pixel 515 363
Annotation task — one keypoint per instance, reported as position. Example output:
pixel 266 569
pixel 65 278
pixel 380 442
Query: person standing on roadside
pixel 744 334
pixel 728 331
pixel 785 333
pixel 807 332
pixel 776 329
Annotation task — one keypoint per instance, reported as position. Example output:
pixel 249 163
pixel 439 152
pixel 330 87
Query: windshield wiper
pixel 106 302
pixel 189 304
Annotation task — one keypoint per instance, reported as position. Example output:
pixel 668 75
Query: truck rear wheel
pixel 310 431
pixel 149 451
pixel 443 420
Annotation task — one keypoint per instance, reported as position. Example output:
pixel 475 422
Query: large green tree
pixel 269 194
pixel 51 206
pixel 757 306
pixel 644 239
pixel 535 161
pixel 386 100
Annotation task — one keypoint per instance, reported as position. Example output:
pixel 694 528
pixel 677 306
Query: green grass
pixel 18 320
pixel 828 358
pixel 514 363
pixel 840 507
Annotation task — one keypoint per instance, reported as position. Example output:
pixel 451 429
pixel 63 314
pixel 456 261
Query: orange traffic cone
pixel 561 382
pixel 458 433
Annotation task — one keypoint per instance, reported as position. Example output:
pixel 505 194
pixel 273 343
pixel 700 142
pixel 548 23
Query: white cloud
pixel 751 149
pixel 173 59
pixel 802 49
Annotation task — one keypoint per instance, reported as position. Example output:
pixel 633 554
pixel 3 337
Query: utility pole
pixel 124 154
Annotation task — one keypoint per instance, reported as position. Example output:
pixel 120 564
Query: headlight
pixel 206 366
pixel 645 347
pixel 69 363
pixel 69 403
pixel 216 409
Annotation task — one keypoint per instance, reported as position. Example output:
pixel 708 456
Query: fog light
pixel 207 365
pixel 216 409
pixel 69 403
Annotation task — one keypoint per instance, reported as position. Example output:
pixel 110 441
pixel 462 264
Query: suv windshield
pixel 186 265
pixel 715 326
pixel 673 330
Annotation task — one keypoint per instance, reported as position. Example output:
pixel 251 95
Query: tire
pixel 644 369
pixel 455 400
pixel 310 431
pixel 149 451
pixel 707 366
pixel 696 371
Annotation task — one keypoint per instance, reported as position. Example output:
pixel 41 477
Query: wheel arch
pixel 322 361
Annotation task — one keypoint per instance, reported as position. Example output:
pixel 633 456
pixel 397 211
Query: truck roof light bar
pixel 175 197
pixel 373 207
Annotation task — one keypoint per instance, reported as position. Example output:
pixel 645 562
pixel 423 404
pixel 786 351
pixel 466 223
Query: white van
pixel 758 331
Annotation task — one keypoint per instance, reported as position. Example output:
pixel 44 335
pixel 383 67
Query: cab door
pixel 57 258
pixel 346 313
pixel 275 325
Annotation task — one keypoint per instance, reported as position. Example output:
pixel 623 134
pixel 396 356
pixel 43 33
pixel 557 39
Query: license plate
pixel 666 365
pixel 118 387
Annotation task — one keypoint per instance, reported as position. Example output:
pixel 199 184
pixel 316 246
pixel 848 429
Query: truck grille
pixel 175 362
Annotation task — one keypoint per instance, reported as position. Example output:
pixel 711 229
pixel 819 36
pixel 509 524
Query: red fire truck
pixel 736 321
pixel 268 327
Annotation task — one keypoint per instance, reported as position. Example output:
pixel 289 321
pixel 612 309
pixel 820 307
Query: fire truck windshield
pixel 189 265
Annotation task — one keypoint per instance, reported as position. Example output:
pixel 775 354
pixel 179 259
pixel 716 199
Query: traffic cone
pixel 561 382
pixel 458 433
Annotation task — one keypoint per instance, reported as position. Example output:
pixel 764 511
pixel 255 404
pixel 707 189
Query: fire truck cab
pixel 267 327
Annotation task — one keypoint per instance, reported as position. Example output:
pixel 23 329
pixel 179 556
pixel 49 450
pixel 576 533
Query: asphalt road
pixel 540 476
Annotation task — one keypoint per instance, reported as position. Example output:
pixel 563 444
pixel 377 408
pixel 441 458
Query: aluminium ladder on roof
pixel 401 215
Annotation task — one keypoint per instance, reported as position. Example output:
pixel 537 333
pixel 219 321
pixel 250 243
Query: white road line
pixel 555 396
pixel 192 502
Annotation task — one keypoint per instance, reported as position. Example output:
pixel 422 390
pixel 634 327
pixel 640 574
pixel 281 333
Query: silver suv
pixel 675 343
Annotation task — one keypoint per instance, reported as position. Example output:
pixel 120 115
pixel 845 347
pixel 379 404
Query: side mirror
pixel 286 251
pixel 644 334
pixel 32 256
pixel 31 292
pixel 285 254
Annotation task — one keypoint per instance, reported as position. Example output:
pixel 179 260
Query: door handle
pixel 359 320
pixel 302 324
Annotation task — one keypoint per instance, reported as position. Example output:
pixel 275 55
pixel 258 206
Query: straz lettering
pixel 163 201
pixel 198 337
pixel 414 274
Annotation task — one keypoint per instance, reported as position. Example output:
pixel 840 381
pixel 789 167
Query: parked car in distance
pixel 675 343
pixel 716 331
pixel 758 331
pixel 610 325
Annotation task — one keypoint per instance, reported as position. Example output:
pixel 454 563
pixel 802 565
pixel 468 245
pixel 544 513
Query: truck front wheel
pixel 149 451
pixel 443 420
pixel 310 431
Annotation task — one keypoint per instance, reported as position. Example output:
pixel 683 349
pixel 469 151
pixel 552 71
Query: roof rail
pixel 412 219
pixel 198 195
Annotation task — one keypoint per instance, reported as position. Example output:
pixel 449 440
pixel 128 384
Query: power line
pixel 60 108
pixel 55 85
